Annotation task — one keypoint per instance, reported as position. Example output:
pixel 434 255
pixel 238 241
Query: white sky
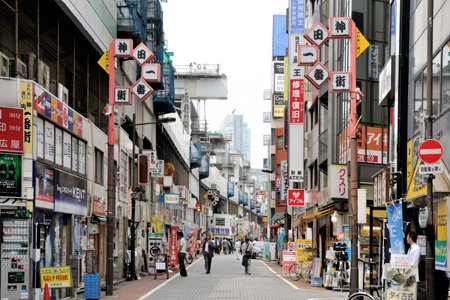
pixel 237 34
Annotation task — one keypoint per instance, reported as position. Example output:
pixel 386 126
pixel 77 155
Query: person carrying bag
pixel 247 249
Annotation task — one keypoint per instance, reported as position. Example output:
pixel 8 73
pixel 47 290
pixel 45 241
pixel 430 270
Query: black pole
pixel 133 205
pixel 429 259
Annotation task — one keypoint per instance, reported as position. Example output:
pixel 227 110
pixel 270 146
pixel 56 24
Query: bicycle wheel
pixel 360 296
pixel 294 273
pixel 188 259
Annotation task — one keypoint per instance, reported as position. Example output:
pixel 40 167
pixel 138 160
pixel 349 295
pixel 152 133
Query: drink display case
pixel 15 258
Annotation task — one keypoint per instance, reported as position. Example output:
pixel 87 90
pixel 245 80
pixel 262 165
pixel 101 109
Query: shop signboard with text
pixel 339 182
pixel 70 194
pixel 11 129
pixel 10 175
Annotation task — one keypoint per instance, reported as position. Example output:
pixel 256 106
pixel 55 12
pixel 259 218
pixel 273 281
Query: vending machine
pixel 15 257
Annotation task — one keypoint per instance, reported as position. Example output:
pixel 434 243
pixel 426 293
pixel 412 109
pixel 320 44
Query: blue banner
pixel 395 223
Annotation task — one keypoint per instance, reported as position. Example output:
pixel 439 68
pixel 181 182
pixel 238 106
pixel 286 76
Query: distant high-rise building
pixel 235 126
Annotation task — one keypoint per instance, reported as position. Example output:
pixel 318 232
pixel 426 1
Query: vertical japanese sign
pixel 296 91
pixel 339 182
pixel 395 221
pixel 284 182
pixel 173 251
pixel 10 175
pixel 26 103
pixel 441 236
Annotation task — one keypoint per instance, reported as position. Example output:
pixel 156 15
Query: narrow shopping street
pixel 228 281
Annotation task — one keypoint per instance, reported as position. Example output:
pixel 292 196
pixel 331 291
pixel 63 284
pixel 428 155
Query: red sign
pixel 11 129
pixel 296 101
pixel 296 197
pixel 173 251
pixel 98 206
pixel 430 151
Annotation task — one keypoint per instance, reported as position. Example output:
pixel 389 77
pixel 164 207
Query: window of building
pixel 98 166
pixel 280 142
pixel 418 94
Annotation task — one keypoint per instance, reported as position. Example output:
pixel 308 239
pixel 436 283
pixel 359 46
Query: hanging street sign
pixel 340 28
pixel 317 34
pixel 142 54
pixel 340 82
pixel 318 75
pixel 123 47
pixel 142 90
pixel 307 55
pixel 151 72
pixel 430 151
pixel 104 61
pixel 122 95
pixel 296 197
pixel 361 42
pixel 428 169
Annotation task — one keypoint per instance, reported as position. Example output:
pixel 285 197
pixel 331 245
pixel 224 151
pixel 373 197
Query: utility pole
pixel 111 212
pixel 429 259
pixel 353 207
pixel 133 204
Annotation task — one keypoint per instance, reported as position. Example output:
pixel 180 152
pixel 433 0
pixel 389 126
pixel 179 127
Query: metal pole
pixel 111 213
pixel 353 207
pixel 133 204
pixel 429 259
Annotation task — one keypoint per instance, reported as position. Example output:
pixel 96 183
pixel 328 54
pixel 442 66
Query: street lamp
pixel 136 190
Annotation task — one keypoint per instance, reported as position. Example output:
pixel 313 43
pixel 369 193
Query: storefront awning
pixel 277 217
pixel 319 214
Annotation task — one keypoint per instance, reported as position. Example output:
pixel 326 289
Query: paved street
pixel 228 281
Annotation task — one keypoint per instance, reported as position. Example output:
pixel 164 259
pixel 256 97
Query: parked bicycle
pixel 363 295
pixel 296 272
pixel 188 258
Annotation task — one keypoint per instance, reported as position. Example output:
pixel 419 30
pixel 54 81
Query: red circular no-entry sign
pixel 430 151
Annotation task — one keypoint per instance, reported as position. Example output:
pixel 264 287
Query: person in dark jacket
pixel 208 252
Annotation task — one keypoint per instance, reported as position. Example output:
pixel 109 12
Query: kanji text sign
pixel 296 197
pixel 122 95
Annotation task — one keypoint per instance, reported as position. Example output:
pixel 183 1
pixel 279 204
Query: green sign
pixel 10 175
pixel 440 254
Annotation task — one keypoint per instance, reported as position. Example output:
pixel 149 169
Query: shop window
pixel 98 166
pixel 418 89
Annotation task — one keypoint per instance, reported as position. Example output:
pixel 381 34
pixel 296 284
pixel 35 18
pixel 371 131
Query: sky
pixel 237 35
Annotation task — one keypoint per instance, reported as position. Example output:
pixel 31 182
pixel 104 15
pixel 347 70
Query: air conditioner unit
pixel 43 76
pixel 19 71
pixel 63 93
pixel 4 65
pixel 30 60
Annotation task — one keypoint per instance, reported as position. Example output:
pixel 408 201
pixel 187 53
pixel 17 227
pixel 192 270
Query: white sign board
pixel 307 55
pixel 151 72
pixel 158 171
pixel 318 75
pixel 123 47
pixel 317 34
pixel 373 61
pixel 122 95
pixel 295 71
pixel 340 27
pixel 431 169
pixel 339 181
pixel 340 82
pixel 142 54
pixel 142 90
pixel 171 199
pixel 400 261
pixel 152 159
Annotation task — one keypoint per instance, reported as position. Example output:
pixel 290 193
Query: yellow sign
pixel 442 221
pixel 56 277
pixel 361 42
pixel 157 224
pixel 104 61
pixel 412 190
pixel 26 102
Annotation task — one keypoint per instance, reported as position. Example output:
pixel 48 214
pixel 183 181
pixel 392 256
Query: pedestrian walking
pixel 208 252
pixel 182 254
pixel 237 247
pixel 247 249
pixel 225 244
